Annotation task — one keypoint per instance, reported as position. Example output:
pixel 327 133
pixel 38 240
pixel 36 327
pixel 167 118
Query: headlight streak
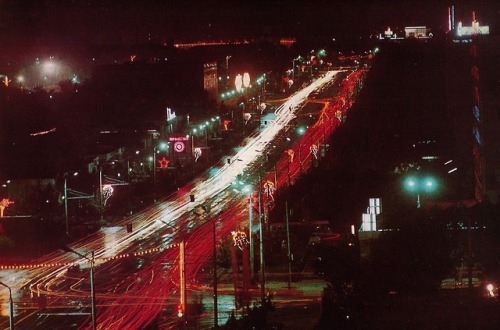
pixel 172 212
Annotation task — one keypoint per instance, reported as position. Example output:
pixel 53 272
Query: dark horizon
pixel 35 27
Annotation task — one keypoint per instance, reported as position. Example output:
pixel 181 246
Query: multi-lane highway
pixel 141 268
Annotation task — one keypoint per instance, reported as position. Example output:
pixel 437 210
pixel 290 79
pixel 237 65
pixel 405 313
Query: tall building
pixel 473 93
pixel 485 76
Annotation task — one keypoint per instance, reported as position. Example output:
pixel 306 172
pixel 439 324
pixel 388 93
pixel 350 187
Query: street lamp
pixel 240 186
pixel 293 69
pixel 216 311
pixel 261 245
pixel 11 306
pixel 289 256
pixel 66 200
pixel 155 150
pixel 207 208
pixel 227 69
pixel 250 234
pixel 420 185
pixel 92 288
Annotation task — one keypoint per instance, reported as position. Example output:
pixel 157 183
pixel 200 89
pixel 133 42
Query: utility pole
pixel 250 234
pixel 101 204
pixel 182 269
pixel 300 159
pixel 92 291
pixel 469 252
pixel 11 306
pixel 288 247
pixel 66 202
pixel 76 195
pixel 216 312
pixel 154 175
pixel 227 70
pixel 261 245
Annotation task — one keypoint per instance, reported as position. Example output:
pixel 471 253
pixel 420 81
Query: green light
pixel 411 184
pixel 430 184
pixel 301 130
pixel 415 184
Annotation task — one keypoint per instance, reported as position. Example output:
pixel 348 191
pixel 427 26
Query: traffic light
pixel 191 198
pixel 129 227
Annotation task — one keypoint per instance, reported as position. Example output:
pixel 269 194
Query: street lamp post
pixel 76 195
pixel 155 150
pixel 216 312
pixel 417 185
pixel 154 174
pixel 227 70
pixel 207 208
pixel 293 69
pixel 250 234
pixel 288 247
pixel 261 244
pixel 92 287
pixel 101 202
pixel 11 306
pixel 66 202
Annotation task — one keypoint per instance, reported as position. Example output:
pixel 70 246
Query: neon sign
pixel 197 154
pixel 3 204
pixel 314 151
pixel 269 189
pixel 240 239
pixel 163 163
pixel 107 192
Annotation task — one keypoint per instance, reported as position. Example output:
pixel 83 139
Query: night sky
pixel 38 28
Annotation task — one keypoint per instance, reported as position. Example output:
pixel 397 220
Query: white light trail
pixel 171 210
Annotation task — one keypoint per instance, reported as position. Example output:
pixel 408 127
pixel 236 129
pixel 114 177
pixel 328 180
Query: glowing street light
pixel 419 185
pixel 238 83
pixel 66 200
pixel 161 146
pixel 293 68
pixel 246 80
pixel 250 230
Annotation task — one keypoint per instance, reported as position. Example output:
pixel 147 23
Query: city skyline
pixel 30 26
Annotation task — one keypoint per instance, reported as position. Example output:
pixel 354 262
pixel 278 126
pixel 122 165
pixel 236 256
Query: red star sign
pixel 163 162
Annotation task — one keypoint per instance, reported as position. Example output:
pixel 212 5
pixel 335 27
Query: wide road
pixel 150 254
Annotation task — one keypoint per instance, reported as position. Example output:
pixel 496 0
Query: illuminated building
pixel 210 82
pixel 473 73
pixel 473 29
pixel 419 32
